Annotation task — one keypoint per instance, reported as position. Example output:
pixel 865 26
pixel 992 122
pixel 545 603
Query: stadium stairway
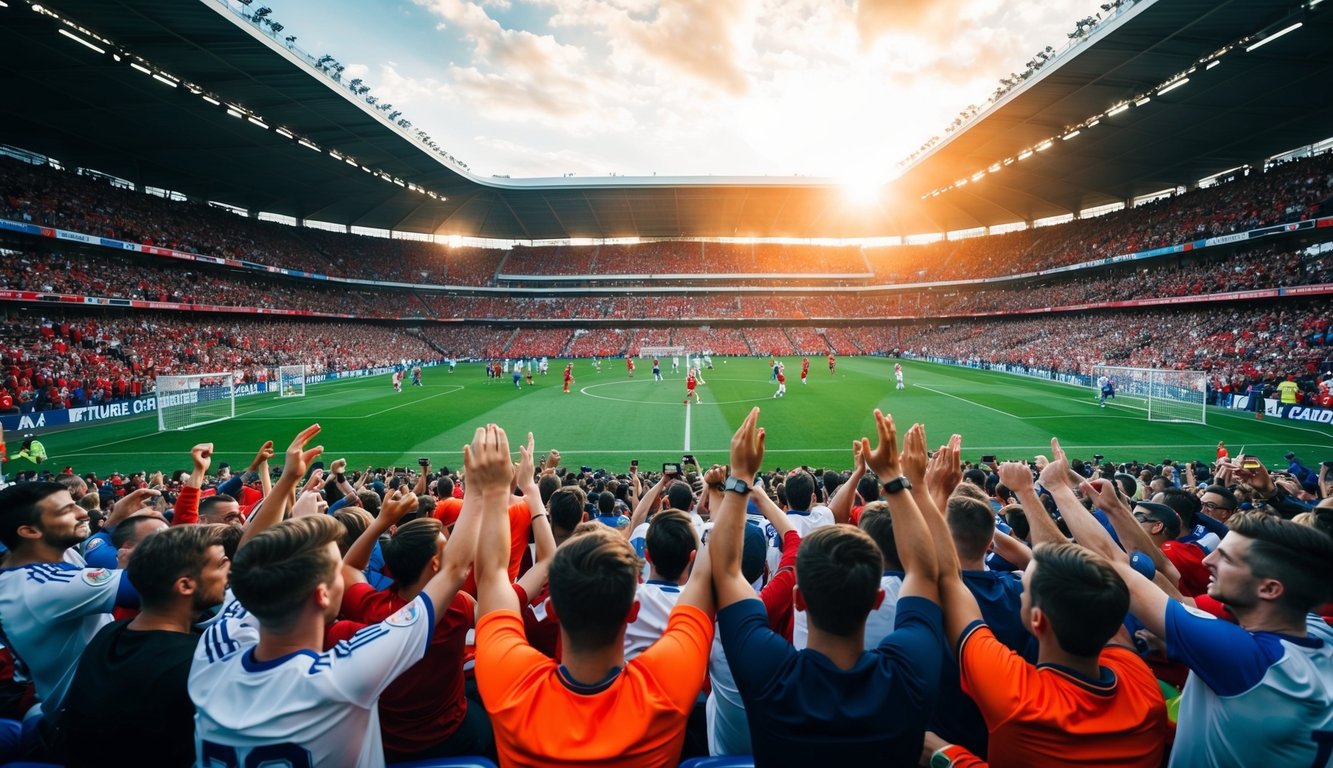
pixel 510 341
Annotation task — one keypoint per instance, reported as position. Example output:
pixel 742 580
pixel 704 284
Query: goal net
pixel 1164 395
pixel 661 352
pixel 191 401
pixel 291 381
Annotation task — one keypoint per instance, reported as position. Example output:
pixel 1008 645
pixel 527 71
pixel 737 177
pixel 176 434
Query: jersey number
pixel 266 756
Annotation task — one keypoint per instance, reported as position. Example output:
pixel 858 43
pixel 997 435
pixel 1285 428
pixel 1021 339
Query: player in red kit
pixel 832 361
pixel 569 376
pixel 629 366
pixel 805 368
pixel 690 383
pixel 782 381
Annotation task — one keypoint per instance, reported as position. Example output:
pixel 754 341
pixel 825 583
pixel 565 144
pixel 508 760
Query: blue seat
pixel 446 762
pixel 720 761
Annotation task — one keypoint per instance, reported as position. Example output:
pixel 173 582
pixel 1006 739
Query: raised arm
pixel 1042 528
pixel 644 506
pixel 274 505
pixel 186 509
pixel 945 471
pixel 395 506
pixel 956 600
pixel 843 498
pixel 727 539
pixel 916 551
pixel 489 475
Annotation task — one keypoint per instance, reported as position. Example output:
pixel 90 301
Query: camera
pixel 423 461
pixel 670 469
pixel 988 459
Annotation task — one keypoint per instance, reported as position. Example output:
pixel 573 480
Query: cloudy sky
pixel 834 88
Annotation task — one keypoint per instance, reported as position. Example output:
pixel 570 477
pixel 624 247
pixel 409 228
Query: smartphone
pixel 423 461
pixel 670 469
pixel 688 459
pixel 988 459
pixel 585 469
pixel 1251 463
pixel 634 462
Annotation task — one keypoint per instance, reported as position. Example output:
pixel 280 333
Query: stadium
pixel 212 237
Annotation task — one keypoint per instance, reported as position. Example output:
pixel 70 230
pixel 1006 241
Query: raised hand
pixel 338 467
pixel 553 459
pixel 883 460
pixel 486 460
pixel 1256 477
pixel 858 458
pixel 1016 476
pixel 202 455
pixel 945 470
pixel 747 448
pixel 1056 473
pixel 1103 493
pixel 523 471
pixel 315 482
pixel 298 457
pixel 913 458
pixel 132 502
pixel 264 454
pixel 715 476
pixel 397 504
pixel 309 503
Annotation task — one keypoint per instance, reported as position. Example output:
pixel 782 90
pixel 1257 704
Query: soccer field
pixel 608 419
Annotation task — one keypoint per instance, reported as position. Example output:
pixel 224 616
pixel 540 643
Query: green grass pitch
pixel 609 419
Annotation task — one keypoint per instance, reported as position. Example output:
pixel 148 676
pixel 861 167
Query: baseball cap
pixel 1289 456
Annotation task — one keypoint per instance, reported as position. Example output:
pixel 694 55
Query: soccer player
pixel 692 381
pixel 805 368
pixel 1107 387
pixel 518 373
pixel 832 361
pixel 898 375
pixel 834 703
pixel 778 371
pixel 773 364
pixel 595 707
pixel 287 584
pixel 569 376
pixel 675 362
pixel 657 370
pixel 629 366
pixel 416 375
pixel 398 380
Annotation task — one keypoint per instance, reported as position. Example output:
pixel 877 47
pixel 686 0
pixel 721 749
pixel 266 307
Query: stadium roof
pixel 86 108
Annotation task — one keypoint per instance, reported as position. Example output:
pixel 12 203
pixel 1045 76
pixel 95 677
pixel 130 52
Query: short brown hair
pixel 670 540
pixel 409 551
pixel 877 522
pixel 278 569
pixel 838 569
pixel 971 523
pixel 355 520
pixel 1082 594
pixel 1299 556
pixel 167 555
pixel 594 578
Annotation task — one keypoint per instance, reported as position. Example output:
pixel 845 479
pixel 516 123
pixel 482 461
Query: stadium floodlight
pixel 1173 86
pixel 1095 123
pixel 257 121
pixel 234 113
pixel 1212 64
pixel 1113 111
pixel 1070 135
pixel 165 81
pixel 1025 154
pixel 79 40
pixel 191 401
pixel 212 101
pixel 1045 145
pixel 1142 101
pixel 141 68
pixel 284 132
pixel 308 145
pixel 1275 36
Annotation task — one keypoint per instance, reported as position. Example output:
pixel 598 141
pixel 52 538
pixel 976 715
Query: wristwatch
pixel 940 758
pixel 897 484
pixel 736 484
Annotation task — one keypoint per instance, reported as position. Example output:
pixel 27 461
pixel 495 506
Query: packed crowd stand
pixel 903 607
pixel 1288 192
pixel 682 258
pixel 63 360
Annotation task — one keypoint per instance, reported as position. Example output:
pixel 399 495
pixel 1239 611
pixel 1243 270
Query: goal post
pixel 1163 394
pixel 291 381
pixel 661 351
pixel 194 400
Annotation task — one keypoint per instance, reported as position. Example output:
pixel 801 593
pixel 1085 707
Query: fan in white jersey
pixel 264 692
pixel 1260 691
pixel 669 548
pixel 51 605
